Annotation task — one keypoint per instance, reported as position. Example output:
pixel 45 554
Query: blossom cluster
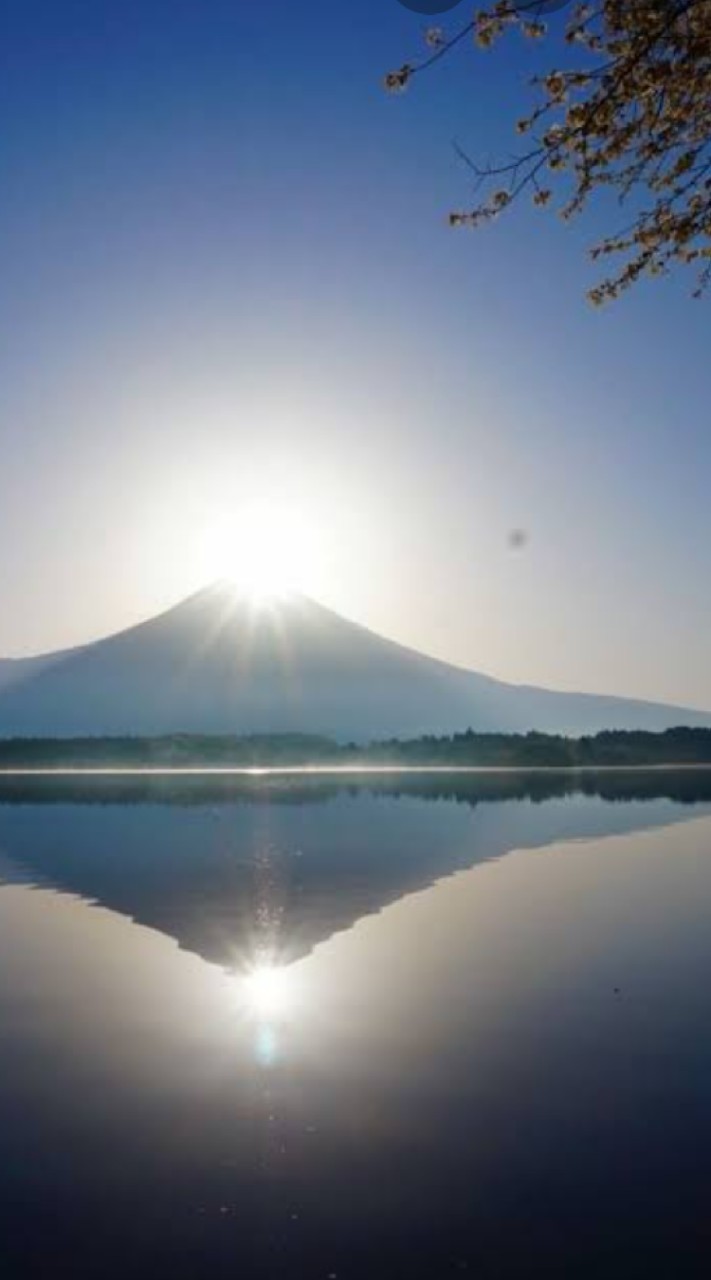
pixel 631 116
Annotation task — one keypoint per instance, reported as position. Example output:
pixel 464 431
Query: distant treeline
pixel 612 747
pixel 680 746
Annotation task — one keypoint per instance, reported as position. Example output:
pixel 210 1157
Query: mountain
pixel 217 663
pixel 13 670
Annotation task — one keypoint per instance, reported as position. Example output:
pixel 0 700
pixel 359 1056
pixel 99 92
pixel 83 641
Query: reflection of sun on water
pixel 268 996
pixel 269 992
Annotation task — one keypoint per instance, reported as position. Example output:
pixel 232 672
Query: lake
pixel 356 1028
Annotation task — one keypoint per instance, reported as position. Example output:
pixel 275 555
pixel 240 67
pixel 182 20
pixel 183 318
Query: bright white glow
pixel 267 550
pixel 269 992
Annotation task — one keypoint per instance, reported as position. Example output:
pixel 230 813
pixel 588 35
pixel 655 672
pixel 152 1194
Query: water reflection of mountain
pixel 229 865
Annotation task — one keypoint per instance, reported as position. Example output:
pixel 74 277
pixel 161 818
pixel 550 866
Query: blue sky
pixel 227 276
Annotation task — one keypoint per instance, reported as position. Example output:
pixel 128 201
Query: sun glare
pixel 267 551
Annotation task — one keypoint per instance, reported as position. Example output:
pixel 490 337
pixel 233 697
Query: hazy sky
pixel 227 280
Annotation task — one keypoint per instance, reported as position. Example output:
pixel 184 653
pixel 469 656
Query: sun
pixel 260 566
pixel 266 550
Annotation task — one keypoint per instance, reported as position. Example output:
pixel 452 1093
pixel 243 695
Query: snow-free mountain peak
pixel 219 662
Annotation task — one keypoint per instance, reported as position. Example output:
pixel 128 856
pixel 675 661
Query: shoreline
pixel 265 771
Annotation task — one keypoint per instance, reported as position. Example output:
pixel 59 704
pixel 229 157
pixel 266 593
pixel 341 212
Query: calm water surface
pixel 343 1029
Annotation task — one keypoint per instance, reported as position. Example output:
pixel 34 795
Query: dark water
pixel 418 1027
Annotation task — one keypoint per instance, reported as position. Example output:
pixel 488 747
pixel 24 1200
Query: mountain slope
pixel 216 664
pixel 15 670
